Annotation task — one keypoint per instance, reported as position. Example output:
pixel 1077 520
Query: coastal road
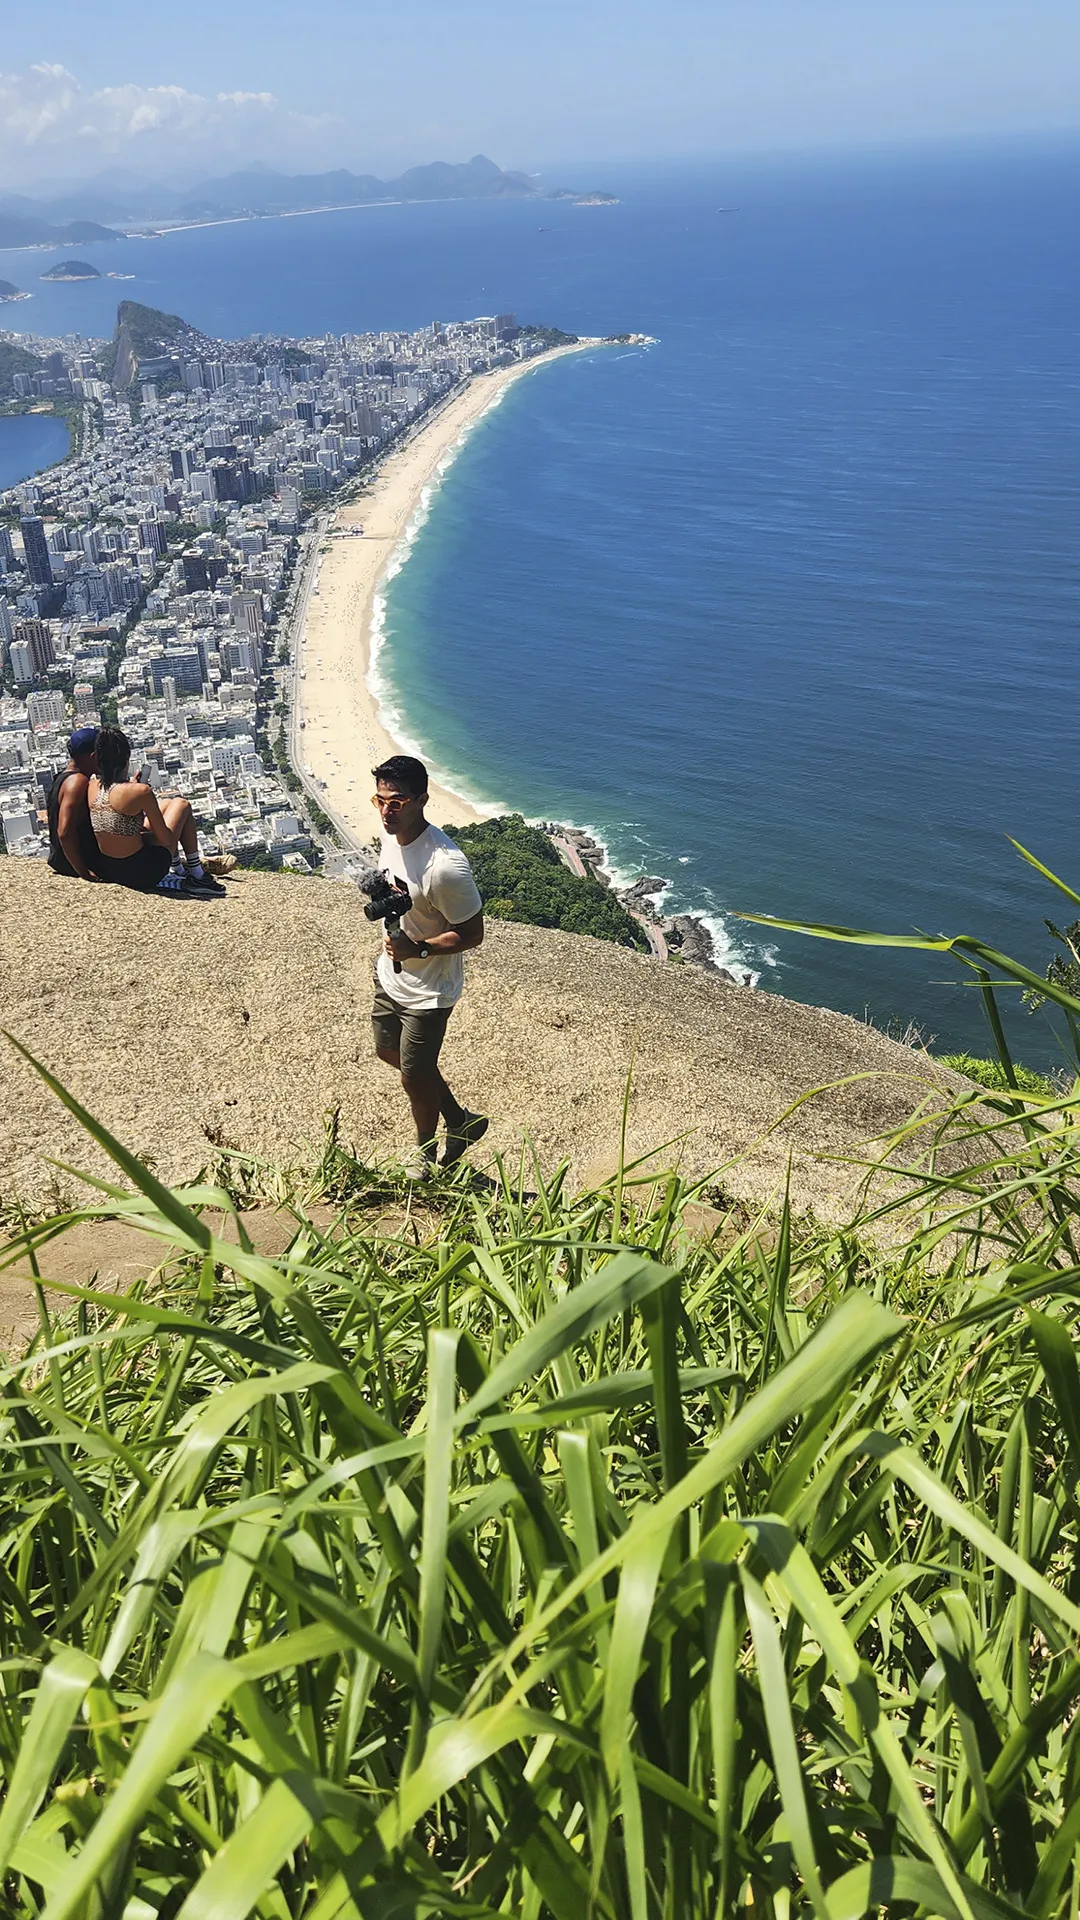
pixel 571 858
pixel 304 584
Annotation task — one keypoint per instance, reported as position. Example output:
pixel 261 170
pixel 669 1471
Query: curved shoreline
pixel 341 724
pixel 342 729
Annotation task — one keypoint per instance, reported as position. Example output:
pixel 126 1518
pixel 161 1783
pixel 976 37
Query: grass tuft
pixel 550 1562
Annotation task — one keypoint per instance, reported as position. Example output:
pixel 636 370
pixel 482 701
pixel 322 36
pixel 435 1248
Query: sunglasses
pixel 394 803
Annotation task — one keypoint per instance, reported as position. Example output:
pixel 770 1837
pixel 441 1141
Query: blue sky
pixel 349 82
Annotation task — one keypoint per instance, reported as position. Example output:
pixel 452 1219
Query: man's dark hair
pixel 113 755
pixel 401 770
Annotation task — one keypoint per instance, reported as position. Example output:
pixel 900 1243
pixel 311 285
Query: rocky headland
pixel 685 935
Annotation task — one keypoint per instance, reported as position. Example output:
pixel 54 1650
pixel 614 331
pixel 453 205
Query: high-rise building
pixel 247 614
pixel 152 536
pixel 22 669
pixel 35 636
pixel 85 701
pixel 239 656
pixel 7 551
pixel 168 688
pixel 36 551
pixel 233 480
pixel 123 583
pixel 45 709
pixel 184 665
pixel 202 570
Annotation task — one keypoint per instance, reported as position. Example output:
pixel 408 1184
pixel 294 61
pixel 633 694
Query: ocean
pixel 783 607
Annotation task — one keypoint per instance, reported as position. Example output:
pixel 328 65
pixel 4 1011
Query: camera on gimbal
pixel 386 902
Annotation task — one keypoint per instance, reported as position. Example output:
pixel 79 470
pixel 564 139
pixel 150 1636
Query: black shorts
pixel 416 1034
pixel 142 870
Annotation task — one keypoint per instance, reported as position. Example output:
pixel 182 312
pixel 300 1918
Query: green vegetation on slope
pixel 549 1562
pixel 545 337
pixel 13 360
pixel 991 1073
pixel 141 332
pixel 521 877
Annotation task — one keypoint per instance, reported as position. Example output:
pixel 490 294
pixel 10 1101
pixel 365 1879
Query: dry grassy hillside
pixel 244 1021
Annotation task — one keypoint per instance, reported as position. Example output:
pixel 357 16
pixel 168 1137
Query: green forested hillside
pixel 13 360
pixel 521 877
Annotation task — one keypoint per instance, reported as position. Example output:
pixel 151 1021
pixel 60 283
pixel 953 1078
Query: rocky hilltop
pixel 72 270
pixel 186 1026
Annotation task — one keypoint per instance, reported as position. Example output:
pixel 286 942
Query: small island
pixel 72 270
pixel 577 199
pixel 10 292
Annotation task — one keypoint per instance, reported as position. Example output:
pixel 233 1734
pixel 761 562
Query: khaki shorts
pixel 416 1034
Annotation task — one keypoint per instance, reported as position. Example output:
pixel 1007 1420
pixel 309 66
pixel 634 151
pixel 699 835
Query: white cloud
pixel 49 119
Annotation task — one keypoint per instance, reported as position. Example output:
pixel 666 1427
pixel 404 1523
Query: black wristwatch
pixel 422 950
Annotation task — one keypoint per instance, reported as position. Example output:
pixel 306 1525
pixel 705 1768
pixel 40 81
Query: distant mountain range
pixel 26 222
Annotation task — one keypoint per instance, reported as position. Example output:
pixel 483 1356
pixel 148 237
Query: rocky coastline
pixel 684 935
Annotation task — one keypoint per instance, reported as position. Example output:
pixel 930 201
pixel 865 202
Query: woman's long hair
pixel 113 756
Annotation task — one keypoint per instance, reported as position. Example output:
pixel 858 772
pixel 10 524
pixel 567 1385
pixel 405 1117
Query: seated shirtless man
pixel 72 847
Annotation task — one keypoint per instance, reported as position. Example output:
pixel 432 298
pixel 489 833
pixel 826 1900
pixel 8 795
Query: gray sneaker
pixel 420 1164
pixel 463 1136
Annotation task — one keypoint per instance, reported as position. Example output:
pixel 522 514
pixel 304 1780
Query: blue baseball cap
pixel 83 740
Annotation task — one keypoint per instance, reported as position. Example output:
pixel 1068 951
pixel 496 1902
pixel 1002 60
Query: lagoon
pixel 28 443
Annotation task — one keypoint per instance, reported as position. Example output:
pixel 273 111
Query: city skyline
pixel 378 91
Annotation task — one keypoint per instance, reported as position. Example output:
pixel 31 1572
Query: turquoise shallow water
pixel 784 607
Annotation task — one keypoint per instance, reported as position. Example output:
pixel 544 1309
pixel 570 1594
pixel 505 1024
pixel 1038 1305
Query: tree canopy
pixel 521 877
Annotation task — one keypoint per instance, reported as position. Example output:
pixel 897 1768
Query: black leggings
pixel 142 870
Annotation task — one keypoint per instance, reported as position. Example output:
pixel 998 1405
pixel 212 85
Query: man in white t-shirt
pixel 414 1004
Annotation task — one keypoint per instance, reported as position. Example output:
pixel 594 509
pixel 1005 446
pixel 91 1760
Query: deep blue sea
pixel 783 607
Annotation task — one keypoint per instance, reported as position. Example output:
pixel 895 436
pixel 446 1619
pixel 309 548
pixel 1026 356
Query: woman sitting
pixel 141 844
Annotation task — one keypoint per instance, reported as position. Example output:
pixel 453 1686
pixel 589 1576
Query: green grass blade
pixel 855 1329
pixel 1045 871
pixel 1058 1358
pixel 438 1461
pixel 186 1224
pixel 617 1287
pixel 887 1884
pixel 246 1866
pixel 633 1838
pixel 637 1587
pixel 775 1700
pixel 183 1715
pixel 59 1696
pixel 905 1462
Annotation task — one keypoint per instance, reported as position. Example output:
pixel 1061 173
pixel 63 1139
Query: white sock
pixel 194 867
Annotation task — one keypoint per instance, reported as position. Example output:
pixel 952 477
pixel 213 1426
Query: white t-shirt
pixel 444 895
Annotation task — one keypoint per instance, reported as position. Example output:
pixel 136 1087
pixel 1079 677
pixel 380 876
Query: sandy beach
pixel 341 738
